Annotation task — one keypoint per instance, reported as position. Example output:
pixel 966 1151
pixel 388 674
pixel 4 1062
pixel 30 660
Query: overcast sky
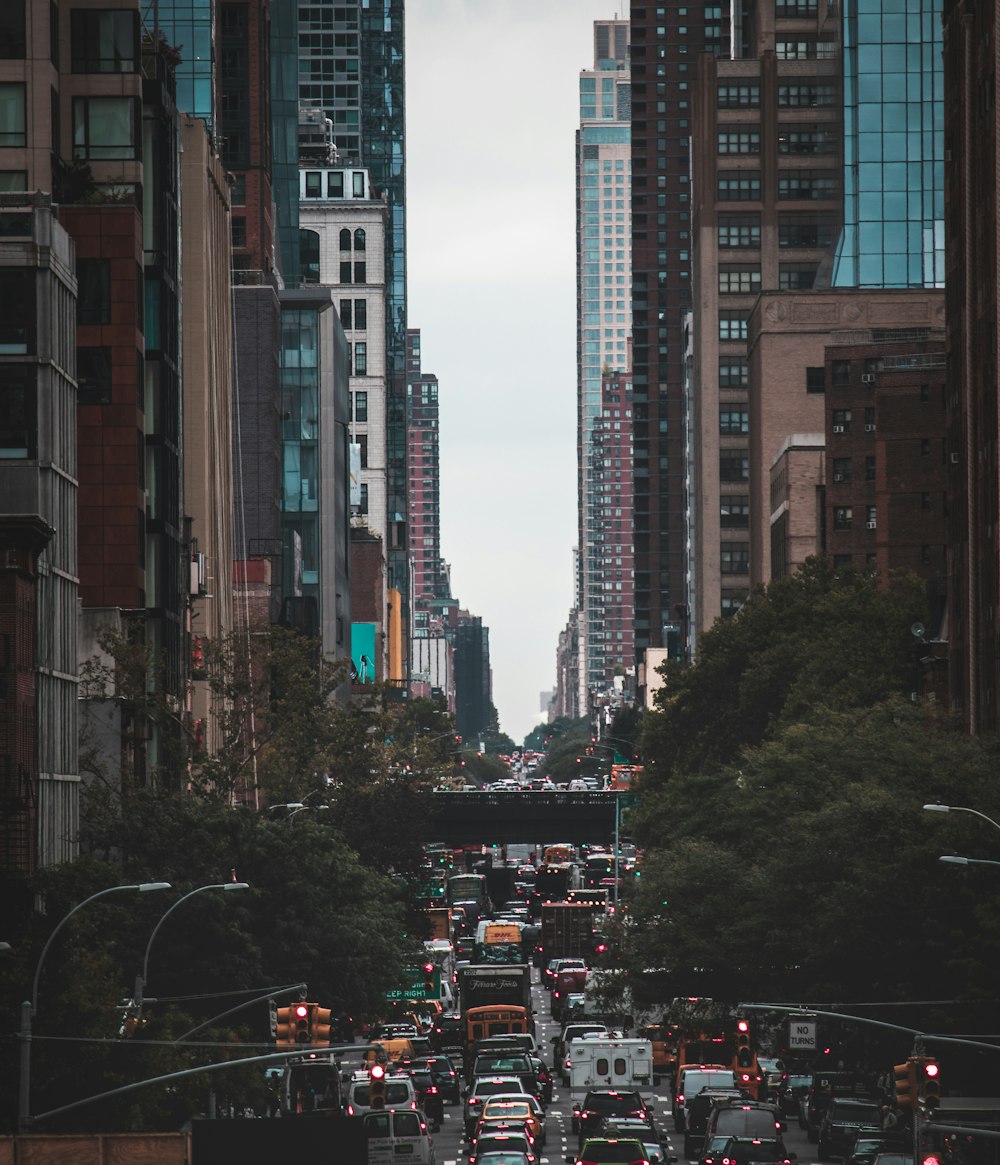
pixel 491 110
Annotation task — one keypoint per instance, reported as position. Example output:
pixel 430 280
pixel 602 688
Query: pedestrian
pixel 889 1118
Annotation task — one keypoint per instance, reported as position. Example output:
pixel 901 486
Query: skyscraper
pixel 604 304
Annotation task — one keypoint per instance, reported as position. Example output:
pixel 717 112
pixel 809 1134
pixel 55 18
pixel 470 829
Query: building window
pixel 869 418
pixel 345 271
pixel 739 230
pixel 345 314
pixel 738 96
pixel 734 420
pixel 361 314
pixel 841 420
pixel 739 280
pixel 816 379
pixel 308 255
pixel 804 49
pixel 13 181
pixel 93 376
pixel 238 230
pixel 793 8
pixel 334 184
pixel 18 424
pixel 734 511
pixel 363 490
pixel 738 185
pixel 797 96
pixel 17 312
pixel 734 557
pixel 238 195
pixel 361 359
pixel 734 465
pixel 361 406
pixel 93 304
pixel 794 138
pixel 359 239
pixel 925 501
pixel 345 239
pixel 314 184
pixel 806 184
pixel 733 325
pixel 840 373
pixel 105 127
pixel 13 39
pixel 104 41
pixel 842 469
pixel 13 118
pixel 843 517
pixel 732 599
pixel 361 440
pixel 733 372
pixel 870 467
pixel 739 141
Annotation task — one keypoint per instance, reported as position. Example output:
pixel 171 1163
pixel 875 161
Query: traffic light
pixel 321 1020
pixel 376 1086
pixel 284 1028
pixel 272 1018
pixel 302 1020
pixel 744 1053
pixel 930 1082
pixel 430 982
pixel 906 1083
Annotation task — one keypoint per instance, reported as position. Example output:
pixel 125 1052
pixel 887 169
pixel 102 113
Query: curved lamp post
pixel 935 807
pixel 29 1008
pixel 141 979
pixel 956 860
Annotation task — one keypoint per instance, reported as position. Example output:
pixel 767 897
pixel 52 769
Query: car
pixel 448 1033
pixel 509 1110
pixel 868 1145
pixel 429 1097
pixel 503 1141
pixel 556 965
pixel 748 1150
pixel 509 1157
pixel 640 1130
pixel 691 1079
pixel 398 1135
pixel 400 1092
pixel 610 1151
pixel 445 1076
pixel 699 1110
pixel 506 1062
pixel 842 1121
pixel 600 1103
pixel 479 1092
pixel 789 1091
pixel 743 1118
pixel 543 1074
pixel 393 1031
pixel 713 1151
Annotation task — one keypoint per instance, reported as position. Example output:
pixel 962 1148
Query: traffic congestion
pixel 516 1043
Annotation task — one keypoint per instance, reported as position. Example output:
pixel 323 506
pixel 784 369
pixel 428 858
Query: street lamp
pixel 142 979
pixel 29 1008
pixel 955 859
pixel 936 807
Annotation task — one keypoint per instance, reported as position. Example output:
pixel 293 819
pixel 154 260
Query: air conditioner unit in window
pixel 869 428
pixel 838 477
pixel 867 377
pixel 872 524
pixel 838 428
pixel 954 458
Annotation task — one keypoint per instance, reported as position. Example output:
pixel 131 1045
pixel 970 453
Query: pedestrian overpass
pixel 529 816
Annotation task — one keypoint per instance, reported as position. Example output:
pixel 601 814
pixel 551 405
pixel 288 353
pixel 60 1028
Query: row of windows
pixel 843 419
pixel 743 231
pixel 843 516
pixel 339 183
pixel 744 185
pixel 792 139
pixel 797 95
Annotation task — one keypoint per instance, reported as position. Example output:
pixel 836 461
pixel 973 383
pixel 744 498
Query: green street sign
pixel 420 987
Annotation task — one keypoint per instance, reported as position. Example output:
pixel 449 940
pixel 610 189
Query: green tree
pixel 816 638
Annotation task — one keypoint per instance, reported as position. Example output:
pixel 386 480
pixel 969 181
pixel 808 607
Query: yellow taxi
pixel 512 1110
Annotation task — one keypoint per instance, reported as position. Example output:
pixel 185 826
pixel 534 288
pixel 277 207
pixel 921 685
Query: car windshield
pixel 614 1102
pixel 613 1152
pixel 507 1109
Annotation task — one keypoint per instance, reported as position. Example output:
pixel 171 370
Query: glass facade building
pixel 893 233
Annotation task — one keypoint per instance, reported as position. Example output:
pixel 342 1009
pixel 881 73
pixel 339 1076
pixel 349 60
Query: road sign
pixel 415 989
pixel 802 1035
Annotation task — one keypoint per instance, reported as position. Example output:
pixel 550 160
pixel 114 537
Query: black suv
pixel 843 1120
pixel 698 1112
pixel 600 1103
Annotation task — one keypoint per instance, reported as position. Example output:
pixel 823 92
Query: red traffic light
pixel 931 1070
pixel 301 1011
pixel 428 968
pixel 377 1072
pixel 742 1025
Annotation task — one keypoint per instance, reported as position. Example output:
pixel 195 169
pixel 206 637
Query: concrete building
pixel 424 490
pixel 665 47
pixel 766 212
pixel 808 353
pixel 971 130
pixel 604 305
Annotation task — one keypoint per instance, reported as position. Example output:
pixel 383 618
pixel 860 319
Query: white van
pixel 610 1063
pixel 395 1135
pixel 399 1093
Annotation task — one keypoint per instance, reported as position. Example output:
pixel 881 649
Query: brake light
pixel 680 1098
